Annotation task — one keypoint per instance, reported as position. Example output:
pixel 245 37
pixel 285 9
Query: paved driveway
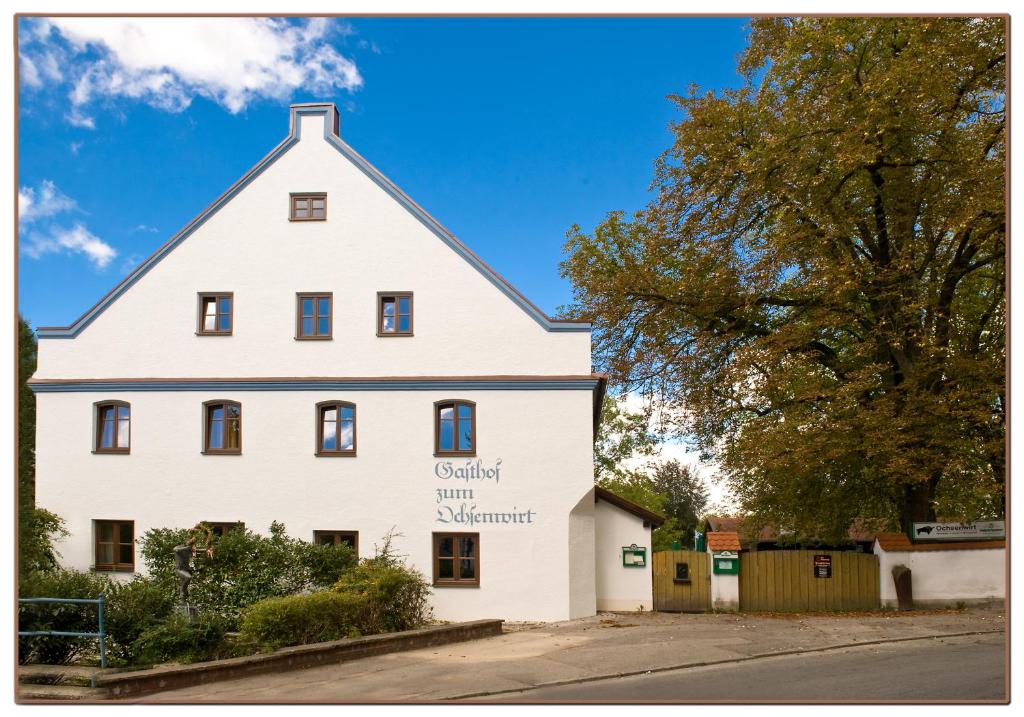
pixel 528 656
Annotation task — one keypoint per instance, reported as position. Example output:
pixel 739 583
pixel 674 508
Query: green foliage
pixel 179 639
pixel 133 608
pixel 622 435
pixel 245 567
pixel 395 595
pixel 686 498
pixel 818 289
pixel 303 619
pixel 38 530
pixel 639 488
pixel 65 618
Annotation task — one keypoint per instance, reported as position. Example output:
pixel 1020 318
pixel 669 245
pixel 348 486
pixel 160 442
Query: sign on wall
pixel 634 557
pixel 725 562
pixel 979 530
pixel 822 566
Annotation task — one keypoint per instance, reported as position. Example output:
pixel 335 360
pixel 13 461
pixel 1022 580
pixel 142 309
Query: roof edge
pixel 648 516
pixel 333 137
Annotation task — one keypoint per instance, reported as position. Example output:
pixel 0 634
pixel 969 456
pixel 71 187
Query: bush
pixel 66 618
pixel 133 608
pixel 303 619
pixel 395 594
pixel 178 639
pixel 246 567
pixel 38 530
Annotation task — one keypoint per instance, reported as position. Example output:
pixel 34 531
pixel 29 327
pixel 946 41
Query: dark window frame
pixel 320 450
pixel 396 295
pixel 685 579
pixel 308 196
pixel 454 403
pixel 203 296
pixel 97 436
pixel 315 296
pixel 455 582
pixel 223 526
pixel 207 405
pixel 116 566
pixel 354 534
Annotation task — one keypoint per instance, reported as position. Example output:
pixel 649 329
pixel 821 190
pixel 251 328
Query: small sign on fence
pixel 978 530
pixel 822 566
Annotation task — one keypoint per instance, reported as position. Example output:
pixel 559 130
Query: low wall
pixel 142 682
pixel 946 574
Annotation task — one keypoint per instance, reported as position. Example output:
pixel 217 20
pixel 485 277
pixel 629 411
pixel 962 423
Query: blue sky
pixel 508 131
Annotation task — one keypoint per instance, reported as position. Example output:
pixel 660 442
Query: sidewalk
pixel 608 644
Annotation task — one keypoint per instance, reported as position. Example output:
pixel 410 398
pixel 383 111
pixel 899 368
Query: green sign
pixel 726 562
pixel 634 557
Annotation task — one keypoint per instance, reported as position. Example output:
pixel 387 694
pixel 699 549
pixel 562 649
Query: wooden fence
pixel 788 581
pixel 678 588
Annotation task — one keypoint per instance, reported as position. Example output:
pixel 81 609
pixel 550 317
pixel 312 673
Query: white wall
pixel 619 587
pixel 543 439
pixel 944 576
pixel 725 589
pixel 463 324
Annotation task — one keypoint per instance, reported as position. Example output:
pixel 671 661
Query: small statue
pixel 183 554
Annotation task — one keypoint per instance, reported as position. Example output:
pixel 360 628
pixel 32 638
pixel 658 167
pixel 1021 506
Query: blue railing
pixel 102 634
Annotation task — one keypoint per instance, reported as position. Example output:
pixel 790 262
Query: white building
pixel 314 348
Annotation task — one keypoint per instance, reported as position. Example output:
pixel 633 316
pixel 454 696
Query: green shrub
pixel 38 530
pixel 133 608
pixel 65 618
pixel 178 639
pixel 246 567
pixel 303 619
pixel 395 594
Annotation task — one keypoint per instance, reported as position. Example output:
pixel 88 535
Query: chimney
pixel 314 119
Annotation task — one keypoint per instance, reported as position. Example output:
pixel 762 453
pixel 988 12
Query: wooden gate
pixel 795 580
pixel 682 581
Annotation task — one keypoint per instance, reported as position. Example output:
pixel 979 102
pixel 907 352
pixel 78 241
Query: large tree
pixel 819 285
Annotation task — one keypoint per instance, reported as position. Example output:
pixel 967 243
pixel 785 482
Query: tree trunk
pixel 918 502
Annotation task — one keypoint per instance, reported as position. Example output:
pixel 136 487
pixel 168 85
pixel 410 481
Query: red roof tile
pixel 726 540
pixel 898 542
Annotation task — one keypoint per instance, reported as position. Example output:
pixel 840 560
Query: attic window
pixel 308 207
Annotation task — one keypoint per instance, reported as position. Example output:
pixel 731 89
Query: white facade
pixel 942 577
pixel 475 339
pixel 622 587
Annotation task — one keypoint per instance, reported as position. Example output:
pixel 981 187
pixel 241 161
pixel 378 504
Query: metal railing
pixel 102 634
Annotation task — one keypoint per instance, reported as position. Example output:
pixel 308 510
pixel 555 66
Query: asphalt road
pixel 960 668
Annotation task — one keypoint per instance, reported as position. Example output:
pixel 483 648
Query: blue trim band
pixel 330 113
pixel 158 385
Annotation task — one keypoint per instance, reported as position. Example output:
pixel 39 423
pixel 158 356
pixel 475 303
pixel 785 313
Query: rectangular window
pixel 115 545
pixel 338 537
pixel 394 313
pixel 455 428
pixel 113 427
pixel 457 559
pixel 682 573
pixel 336 429
pixel 215 314
pixel 219 530
pixel 308 206
pixel 222 430
pixel 313 316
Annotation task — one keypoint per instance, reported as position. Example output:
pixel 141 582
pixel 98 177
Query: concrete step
pixel 58 674
pixel 63 693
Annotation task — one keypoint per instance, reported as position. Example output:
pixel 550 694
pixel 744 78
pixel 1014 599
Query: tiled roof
pixel 726 540
pixel 898 542
pixel 862 529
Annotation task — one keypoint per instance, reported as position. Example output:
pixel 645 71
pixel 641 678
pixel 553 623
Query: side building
pixel 315 349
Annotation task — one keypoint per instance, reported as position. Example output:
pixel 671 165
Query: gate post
pixel 725 568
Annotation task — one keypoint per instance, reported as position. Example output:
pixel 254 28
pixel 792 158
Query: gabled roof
pixel 648 516
pixel 727 540
pixel 330 112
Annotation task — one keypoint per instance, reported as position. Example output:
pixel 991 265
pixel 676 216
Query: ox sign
pixel 979 530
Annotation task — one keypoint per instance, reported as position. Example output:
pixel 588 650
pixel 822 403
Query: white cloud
pixel 167 62
pixel 38 206
pixel 46 201
pixel 145 228
pixel 76 239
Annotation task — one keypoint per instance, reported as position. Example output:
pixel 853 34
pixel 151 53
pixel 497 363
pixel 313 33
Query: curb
pixel 709 663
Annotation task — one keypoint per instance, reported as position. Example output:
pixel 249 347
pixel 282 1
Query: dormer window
pixel 308 207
